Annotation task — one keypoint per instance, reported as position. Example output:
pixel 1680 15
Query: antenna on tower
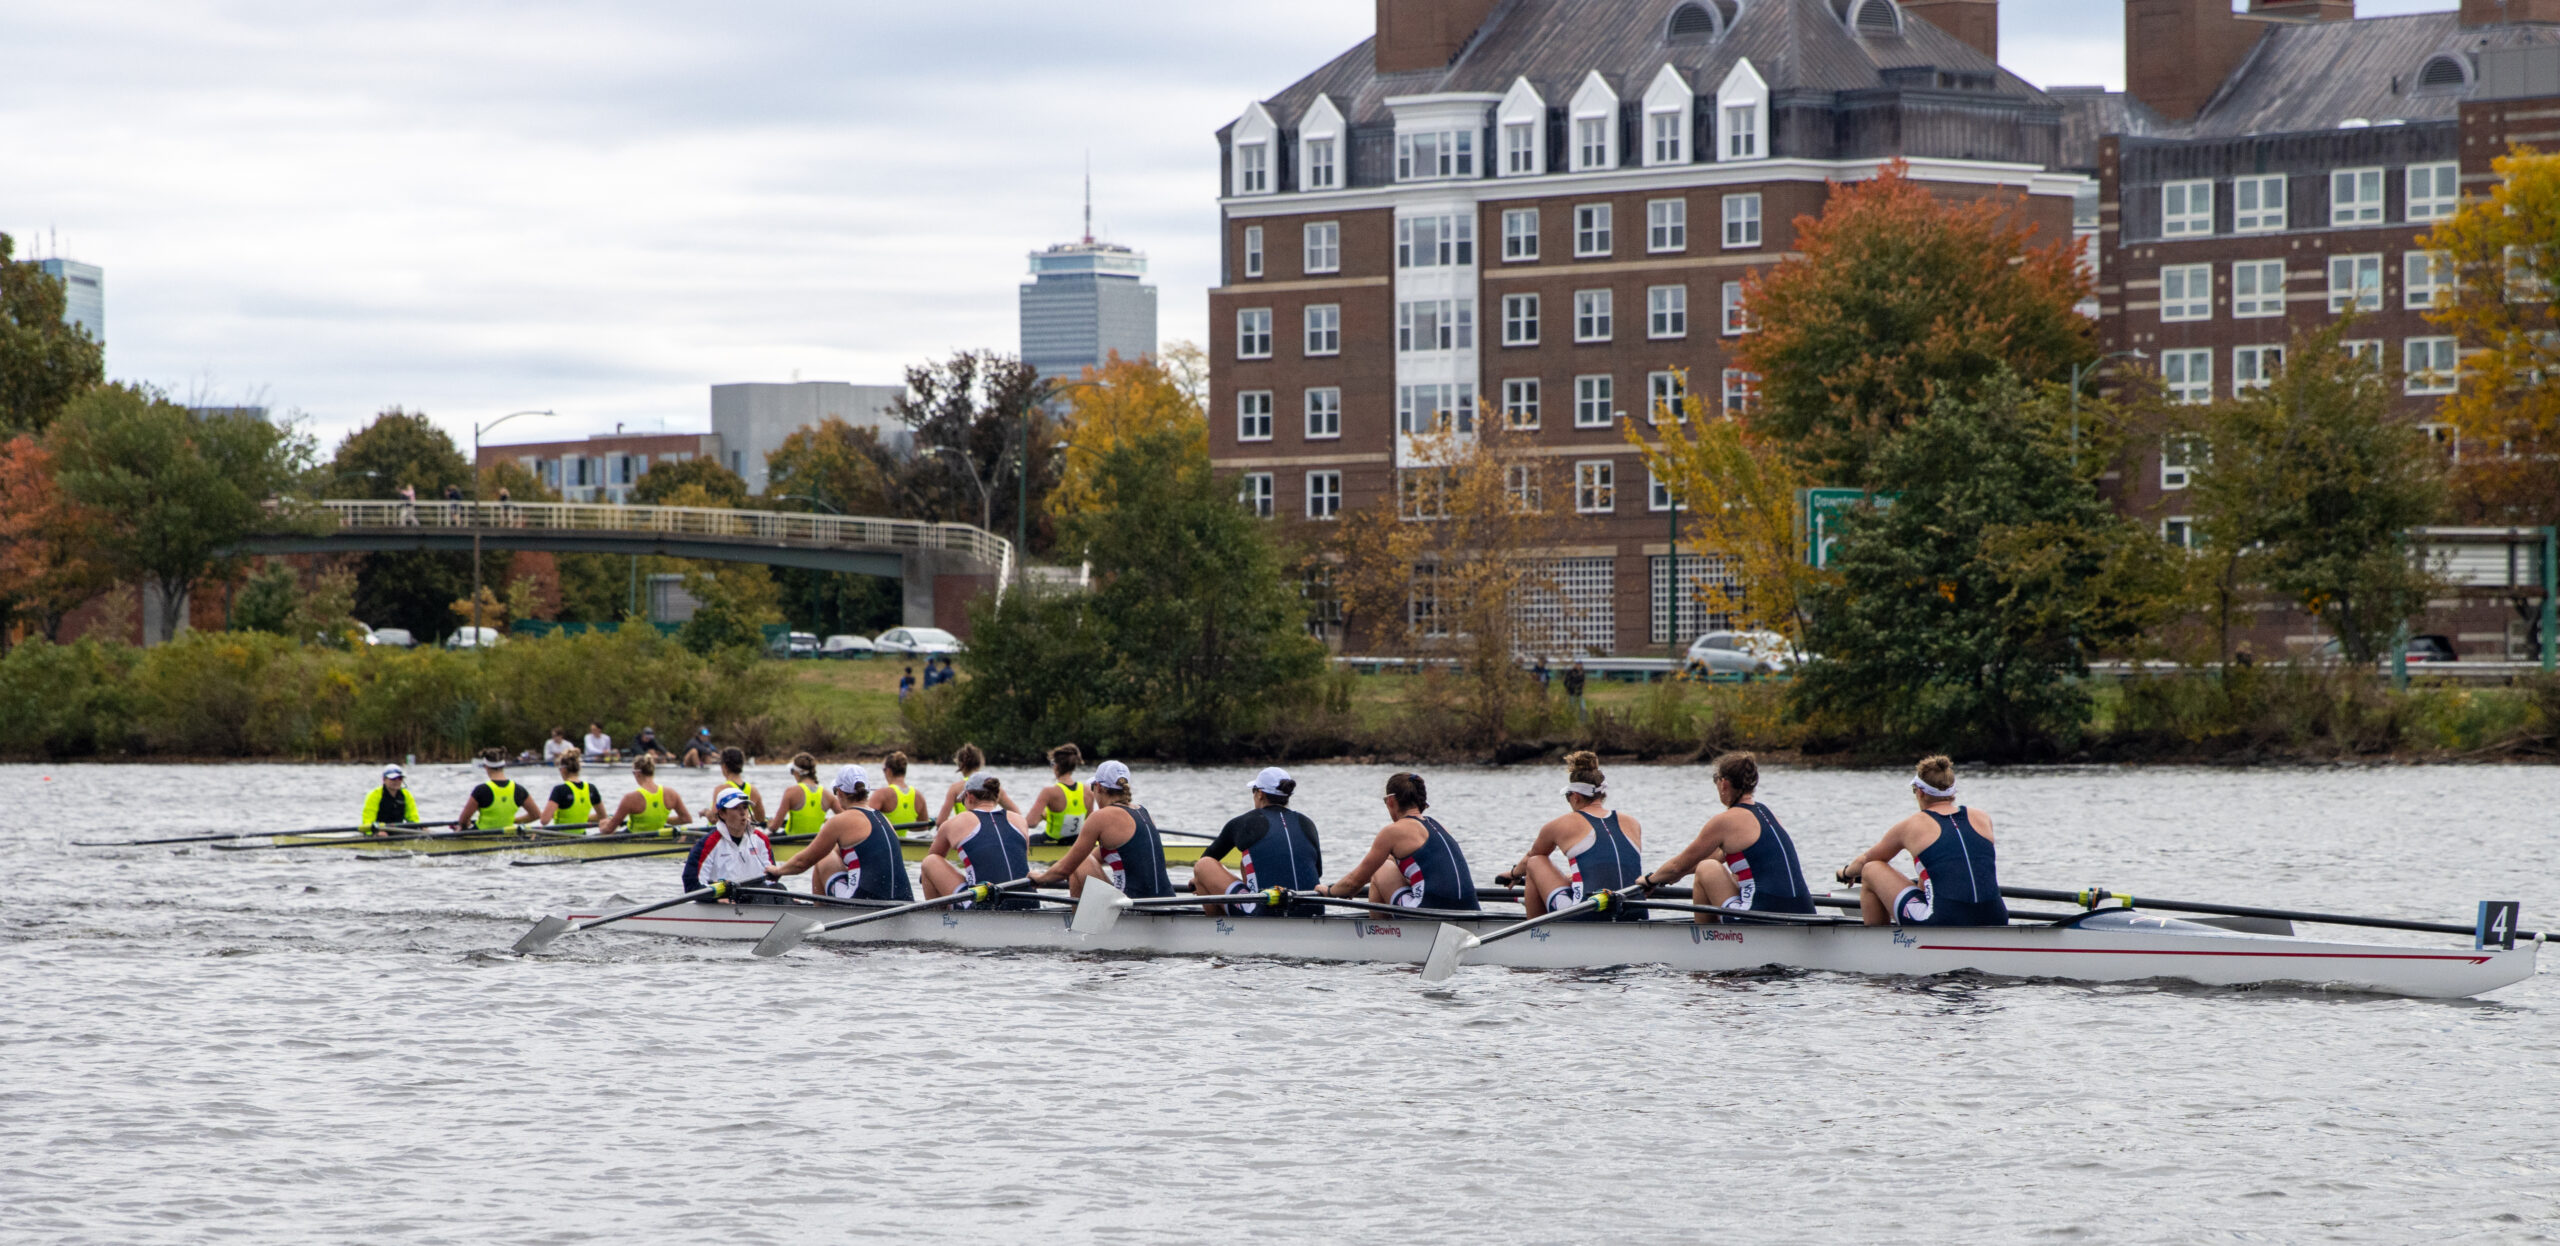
pixel 1088 196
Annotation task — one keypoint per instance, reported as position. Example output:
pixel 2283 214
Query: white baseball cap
pixel 984 781
pixel 1113 775
pixel 732 798
pixel 850 778
pixel 1270 781
pixel 394 771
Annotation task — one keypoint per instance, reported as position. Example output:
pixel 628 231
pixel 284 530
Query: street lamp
pixel 803 497
pixel 476 431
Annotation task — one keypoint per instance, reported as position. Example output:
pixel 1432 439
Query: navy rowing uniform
pixel 1280 852
pixel 1604 860
pixel 1768 872
pixel 1137 867
pixel 873 869
pixel 1959 880
pixel 1436 875
pixel 995 853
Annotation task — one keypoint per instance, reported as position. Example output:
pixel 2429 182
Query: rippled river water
pixel 301 1046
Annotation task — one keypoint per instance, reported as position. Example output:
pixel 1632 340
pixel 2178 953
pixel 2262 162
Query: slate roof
pixel 2314 75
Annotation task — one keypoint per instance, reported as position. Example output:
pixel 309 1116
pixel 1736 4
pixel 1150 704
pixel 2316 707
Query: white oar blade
pixel 541 935
pixel 787 932
pixel 1098 908
pixel 1446 947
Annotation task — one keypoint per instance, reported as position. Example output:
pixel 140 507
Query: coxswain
pixel 497 804
pixel 646 810
pixel 1959 882
pixel 896 798
pixel 802 808
pixel 734 852
pixel 1603 850
pixel 1117 842
pixel 1743 859
pixel 574 801
pixel 968 761
pixel 733 777
pixel 988 841
pixel 1274 846
pixel 856 854
pixel 1057 813
pixel 390 802
pixel 1429 871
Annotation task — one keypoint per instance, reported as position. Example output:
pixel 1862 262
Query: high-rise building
pixel 84 294
pixel 1085 301
pixel 753 420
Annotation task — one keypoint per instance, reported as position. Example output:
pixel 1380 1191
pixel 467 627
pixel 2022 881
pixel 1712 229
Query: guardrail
pixel 702 522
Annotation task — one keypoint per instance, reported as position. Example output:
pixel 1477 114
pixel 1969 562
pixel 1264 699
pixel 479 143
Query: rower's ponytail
pixel 570 765
pixel 1938 772
pixel 1408 791
pixel 894 766
pixel 644 766
pixel 734 760
pixel 1741 770
pixel 969 759
pixel 1584 768
pixel 804 765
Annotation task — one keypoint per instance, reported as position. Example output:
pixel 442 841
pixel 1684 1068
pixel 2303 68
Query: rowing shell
pixel 581 846
pixel 2109 946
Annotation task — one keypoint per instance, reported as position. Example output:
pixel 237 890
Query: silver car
pixel 1741 653
pixel 922 642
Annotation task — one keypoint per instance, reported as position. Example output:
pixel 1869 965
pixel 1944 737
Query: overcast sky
pixel 604 208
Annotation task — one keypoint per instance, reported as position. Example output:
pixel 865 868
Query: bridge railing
pixel 712 523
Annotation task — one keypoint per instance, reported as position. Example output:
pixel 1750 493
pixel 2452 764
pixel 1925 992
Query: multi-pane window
pixel 1740 390
pixel 1666 225
pixel 1423 494
pixel 1592 229
pixel 1737 319
pixel 1591 143
pixel 1253 250
pixel 2366 351
pixel 1253 333
pixel 2178 458
pixel 1324 495
pixel 2254 367
pixel 2186 292
pixel 1521 483
pixel 1320 164
pixel 1324 413
pixel 1667 312
pixel 1520 234
pixel 1253 168
pixel 1595 486
pixel 1592 316
pixel 2424 275
pixel 1519 320
pixel 2186 209
pixel 1520 403
pixel 1670 137
pixel 1254 490
pixel 1594 397
pixel 1436 324
pixel 2188 375
pixel 1324 329
pixel 1441 153
pixel 2430 365
pixel 1657 492
pixel 1741 132
pixel 2355 281
pixel 2257 204
pixel 2355 197
pixel 1324 247
pixel 2435 190
pixel 1520 147
pixel 2257 288
pixel 1422 409
pixel 1253 415
pixel 2179 530
pixel 1742 220
pixel 1435 241
pixel 1667 391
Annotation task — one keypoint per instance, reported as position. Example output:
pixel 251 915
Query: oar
pixel 551 928
pixel 1452 943
pixel 2092 897
pixel 784 841
pixel 1101 905
pixel 204 839
pixel 541 838
pixel 472 833
pixel 791 928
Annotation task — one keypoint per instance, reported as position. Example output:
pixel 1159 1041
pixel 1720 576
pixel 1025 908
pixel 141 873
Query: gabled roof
pixel 2317 75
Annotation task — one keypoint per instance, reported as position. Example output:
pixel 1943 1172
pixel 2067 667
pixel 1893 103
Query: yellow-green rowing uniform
pixel 908 808
pixel 504 800
pixel 1061 825
pixel 811 814
pixel 580 809
pixel 405 810
pixel 652 817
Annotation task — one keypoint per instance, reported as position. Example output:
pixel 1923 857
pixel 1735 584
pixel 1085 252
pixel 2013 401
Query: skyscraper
pixel 84 294
pixel 1085 300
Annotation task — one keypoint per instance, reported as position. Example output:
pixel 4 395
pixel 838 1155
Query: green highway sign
pixel 1818 516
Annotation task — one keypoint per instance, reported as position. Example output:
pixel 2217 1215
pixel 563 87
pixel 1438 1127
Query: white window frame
pixel 2254 367
pixel 1595 142
pixel 1594 315
pixel 2179 530
pixel 2186 209
pixel 1323 246
pixel 1736 317
pixel 1253 333
pixel 1450 325
pixel 1520 320
pixel 1253 168
pixel 2431 191
pixel 1324 495
pixel 2358 292
pixel 1742 221
pixel 2258 203
pixel 1663 389
pixel 1520 236
pixel 1253 415
pixel 1666 312
pixel 1520 399
pixel 1254 490
pixel 2251 296
pixel 2423 274
pixel 2367 350
pixel 1741 131
pixel 1324 329
pixel 1666 134
pixel 2187 375
pixel 2355 197
pixel 1324 412
pixel 1519 148
pixel 1253 250
pixel 1595 399
pixel 1451 244
pixel 1657 493
pixel 1522 483
pixel 2186 292
pixel 1666 225
pixel 1595 232
pixel 2430 366
pixel 1595 487
pixel 1436 155
pixel 2179 454
pixel 1323 162
pixel 1741 388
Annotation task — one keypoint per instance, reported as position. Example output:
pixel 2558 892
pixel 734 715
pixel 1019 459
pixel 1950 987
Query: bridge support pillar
pixel 938 589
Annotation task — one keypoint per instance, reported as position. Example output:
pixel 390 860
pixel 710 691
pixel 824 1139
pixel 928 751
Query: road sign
pixel 1818 516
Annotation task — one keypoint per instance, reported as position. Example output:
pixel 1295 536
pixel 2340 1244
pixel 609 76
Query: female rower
pixel 1118 842
pixel 989 842
pixel 801 809
pixel 574 801
pixel 1057 813
pixel 970 761
pixel 855 854
pixel 733 776
pixel 897 798
pixel 1430 872
pixel 1604 851
pixel 1744 859
pixel 390 802
pixel 497 803
pixel 646 809
pixel 1959 869
pixel 734 851
pixel 1274 845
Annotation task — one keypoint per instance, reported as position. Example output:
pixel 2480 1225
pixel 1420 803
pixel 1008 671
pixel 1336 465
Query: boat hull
pixel 914 849
pixel 2210 958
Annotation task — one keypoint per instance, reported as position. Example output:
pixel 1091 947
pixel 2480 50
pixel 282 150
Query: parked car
pixel 922 642
pixel 390 637
pixel 474 638
pixel 794 645
pixel 2432 648
pixel 1740 653
pixel 842 647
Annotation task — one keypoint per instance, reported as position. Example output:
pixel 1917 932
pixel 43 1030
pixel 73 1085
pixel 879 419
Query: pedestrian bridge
pixel 931 561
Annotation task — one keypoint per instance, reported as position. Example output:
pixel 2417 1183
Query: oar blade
pixel 542 935
pixel 787 932
pixel 1446 947
pixel 1099 908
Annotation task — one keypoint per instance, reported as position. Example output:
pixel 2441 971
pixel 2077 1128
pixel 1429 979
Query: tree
pixel 738 600
pixel 1188 367
pixel 1121 401
pixel 175 489
pixel 2502 255
pixel 1739 494
pixel 49 546
pixel 2309 487
pixel 838 465
pixel 265 600
pixel 398 448
pixel 1963 613
pixel 1897 299
pixel 703 482
pixel 45 361
pixel 974 416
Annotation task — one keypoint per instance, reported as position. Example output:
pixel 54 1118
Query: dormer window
pixel 1742 114
pixel 2445 74
pixel 1691 23
pixel 1591 142
pixel 1875 18
pixel 1667 106
pixel 1741 132
pixel 1253 169
pixel 1595 125
pixel 1320 164
pixel 1521 123
pixel 1320 146
pixel 1435 154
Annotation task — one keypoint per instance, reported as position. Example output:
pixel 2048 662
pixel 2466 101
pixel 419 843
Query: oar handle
pixel 712 892
pixel 1595 903
pixel 2092 897
pixel 975 892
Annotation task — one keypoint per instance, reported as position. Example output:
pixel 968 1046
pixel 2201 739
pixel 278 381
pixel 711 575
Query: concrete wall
pixel 752 420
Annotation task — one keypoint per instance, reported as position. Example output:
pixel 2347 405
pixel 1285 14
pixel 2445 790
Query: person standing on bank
pixel 1959 883
pixel 1743 858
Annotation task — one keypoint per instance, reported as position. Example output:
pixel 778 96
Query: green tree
pixel 265 601
pixel 407 589
pixel 838 465
pixel 2309 487
pixel 1962 613
pixel 973 416
pixel 701 482
pixel 175 489
pixel 2498 291
pixel 1121 400
pixel 738 600
pixel 44 360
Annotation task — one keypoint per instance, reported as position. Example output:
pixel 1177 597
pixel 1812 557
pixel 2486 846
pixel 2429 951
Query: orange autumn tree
pixel 1897 298
pixel 2498 291
pixel 45 541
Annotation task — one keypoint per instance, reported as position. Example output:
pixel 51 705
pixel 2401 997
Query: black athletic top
pixel 1246 829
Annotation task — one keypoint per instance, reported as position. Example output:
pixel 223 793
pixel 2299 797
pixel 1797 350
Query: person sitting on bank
pixel 1429 871
pixel 556 745
pixel 1743 858
pixel 574 801
pixel 498 804
pixel 1117 843
pixel 700 751
pixel 599 745
pixel 856 855
pixel 391 802
pixel 1603 850
pixel 1950 845
pixel 1274 846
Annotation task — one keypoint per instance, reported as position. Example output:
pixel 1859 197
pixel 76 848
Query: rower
pixel 1430 872
pixel 1058 811
pixel 1275 846
pixel 574 801
pixel 497 804
pixel 968 761
pixel 989 842
pixel 646 809
pixel 1604 850
pixel 855 853
pixel 734 851
pixel 1118 843
pixel 1959 868
pixel 801 810
pixel 903 803
pixel 733 777
pixel 1743 858
pixel 390 802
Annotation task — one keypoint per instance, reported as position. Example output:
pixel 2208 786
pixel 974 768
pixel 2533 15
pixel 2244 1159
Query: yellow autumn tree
pixel 1739 491
pixel 2501 255
pixel 1123 401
